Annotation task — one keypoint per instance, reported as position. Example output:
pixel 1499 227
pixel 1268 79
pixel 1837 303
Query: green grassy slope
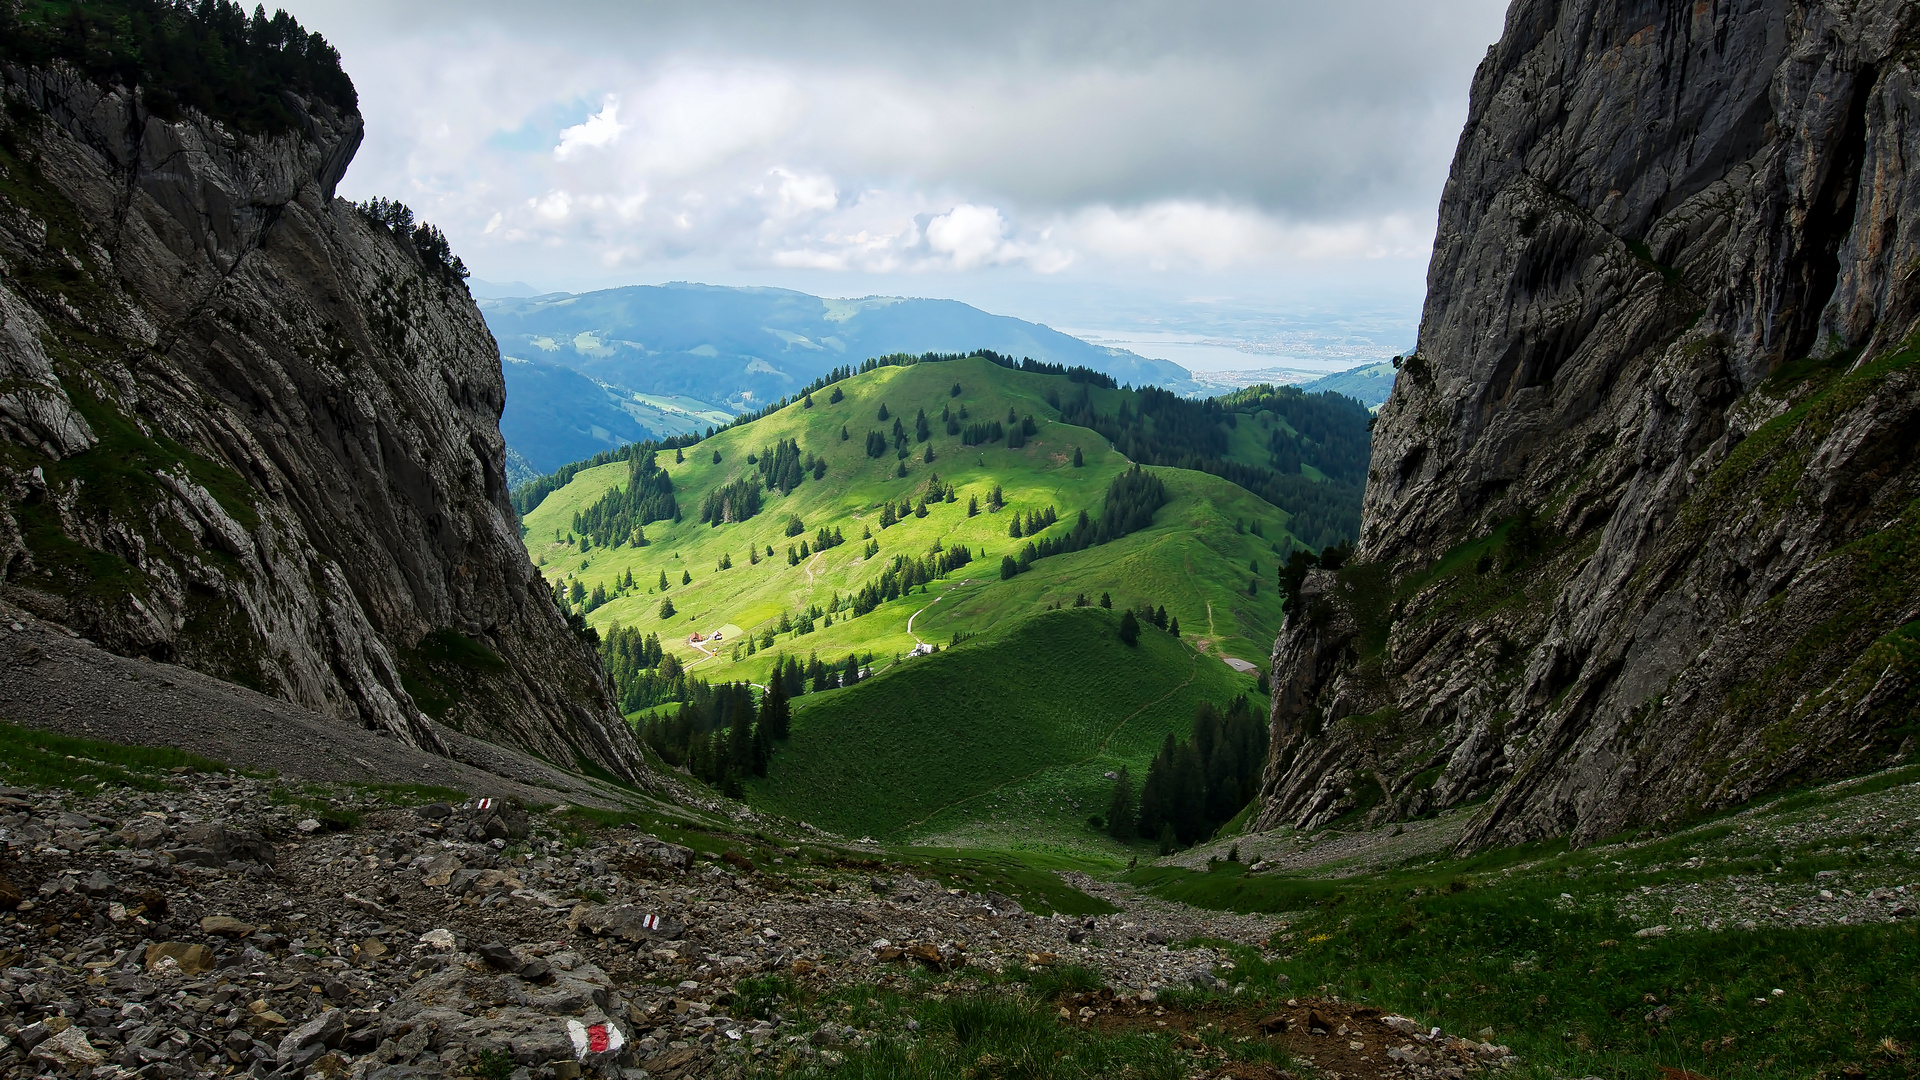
pixel 1003 739
pixel 1193 559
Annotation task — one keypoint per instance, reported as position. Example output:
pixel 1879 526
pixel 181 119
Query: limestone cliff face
pixel 1640 535
pixel 245 430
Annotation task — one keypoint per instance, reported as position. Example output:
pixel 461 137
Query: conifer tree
pixel 1106 601
pixel 686 577
pixel 775 715
pixel 1173 625
pixel 663 581
pixel 1129 627
pixel 666 609
pixel 973 506
pixel 678 457
pixel 762 749
pixel 1078 461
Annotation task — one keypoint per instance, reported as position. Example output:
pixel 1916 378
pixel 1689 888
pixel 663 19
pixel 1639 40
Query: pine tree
pixel 883 412
pixel 1189 797
pixel 1173 625
pixel 663 581
pixel 775 714
pixel 973 506
pixel 686 577
pixel 1078 461
pixel 762 749
pixel 1129 628
pixel 1106 601
pixel 666 609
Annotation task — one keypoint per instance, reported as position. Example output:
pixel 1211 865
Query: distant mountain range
pixel 590 371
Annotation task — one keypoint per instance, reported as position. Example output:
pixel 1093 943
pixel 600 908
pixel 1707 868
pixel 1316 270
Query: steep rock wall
pixel 1640 535
pixel 245 430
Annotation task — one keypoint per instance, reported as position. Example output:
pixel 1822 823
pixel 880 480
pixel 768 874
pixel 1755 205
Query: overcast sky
pixel 1088 162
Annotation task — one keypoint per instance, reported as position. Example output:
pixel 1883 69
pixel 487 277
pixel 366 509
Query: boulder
pixel 69 1051
pixel 628 922
pixel 190 959
pixel 306 1043
pixel 440 871
pixel 218 844
pixel 226 926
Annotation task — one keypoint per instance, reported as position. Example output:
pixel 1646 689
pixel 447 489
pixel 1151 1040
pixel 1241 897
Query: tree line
pixel 1132 499
pixel 905 572
pixel 721 735
pixel 618 517
pixel 1331 434
pixel 531 494
pixel 1195 785
pixel 207 55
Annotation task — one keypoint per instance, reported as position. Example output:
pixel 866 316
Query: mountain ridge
pixel 245 428
pixel 738 348
pixel 1637 542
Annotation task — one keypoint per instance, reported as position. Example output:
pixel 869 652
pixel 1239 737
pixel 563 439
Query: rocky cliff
pixel 1641 536
pixel 245 429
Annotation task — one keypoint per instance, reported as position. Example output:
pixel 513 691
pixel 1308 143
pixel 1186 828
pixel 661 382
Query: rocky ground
pixel 232 924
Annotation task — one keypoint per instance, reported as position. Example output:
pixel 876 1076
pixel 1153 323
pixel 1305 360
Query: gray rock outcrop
pixel 245 430
pixel 1640 536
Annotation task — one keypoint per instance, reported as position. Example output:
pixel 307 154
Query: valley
pixel 666 682
pixel 1029 673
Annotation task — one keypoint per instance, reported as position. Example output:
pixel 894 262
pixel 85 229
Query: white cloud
pixel 598 132
pixel 795 195
pixel 660 141
pixel 969 235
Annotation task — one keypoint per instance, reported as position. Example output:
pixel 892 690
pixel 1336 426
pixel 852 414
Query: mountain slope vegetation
pixel 778 526
pixel 1007 738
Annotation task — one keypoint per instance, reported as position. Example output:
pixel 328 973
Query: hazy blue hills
pixel 593 370
pixel 1368 384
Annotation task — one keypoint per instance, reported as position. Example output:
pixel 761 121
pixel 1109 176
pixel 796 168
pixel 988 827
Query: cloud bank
pixel 622 141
